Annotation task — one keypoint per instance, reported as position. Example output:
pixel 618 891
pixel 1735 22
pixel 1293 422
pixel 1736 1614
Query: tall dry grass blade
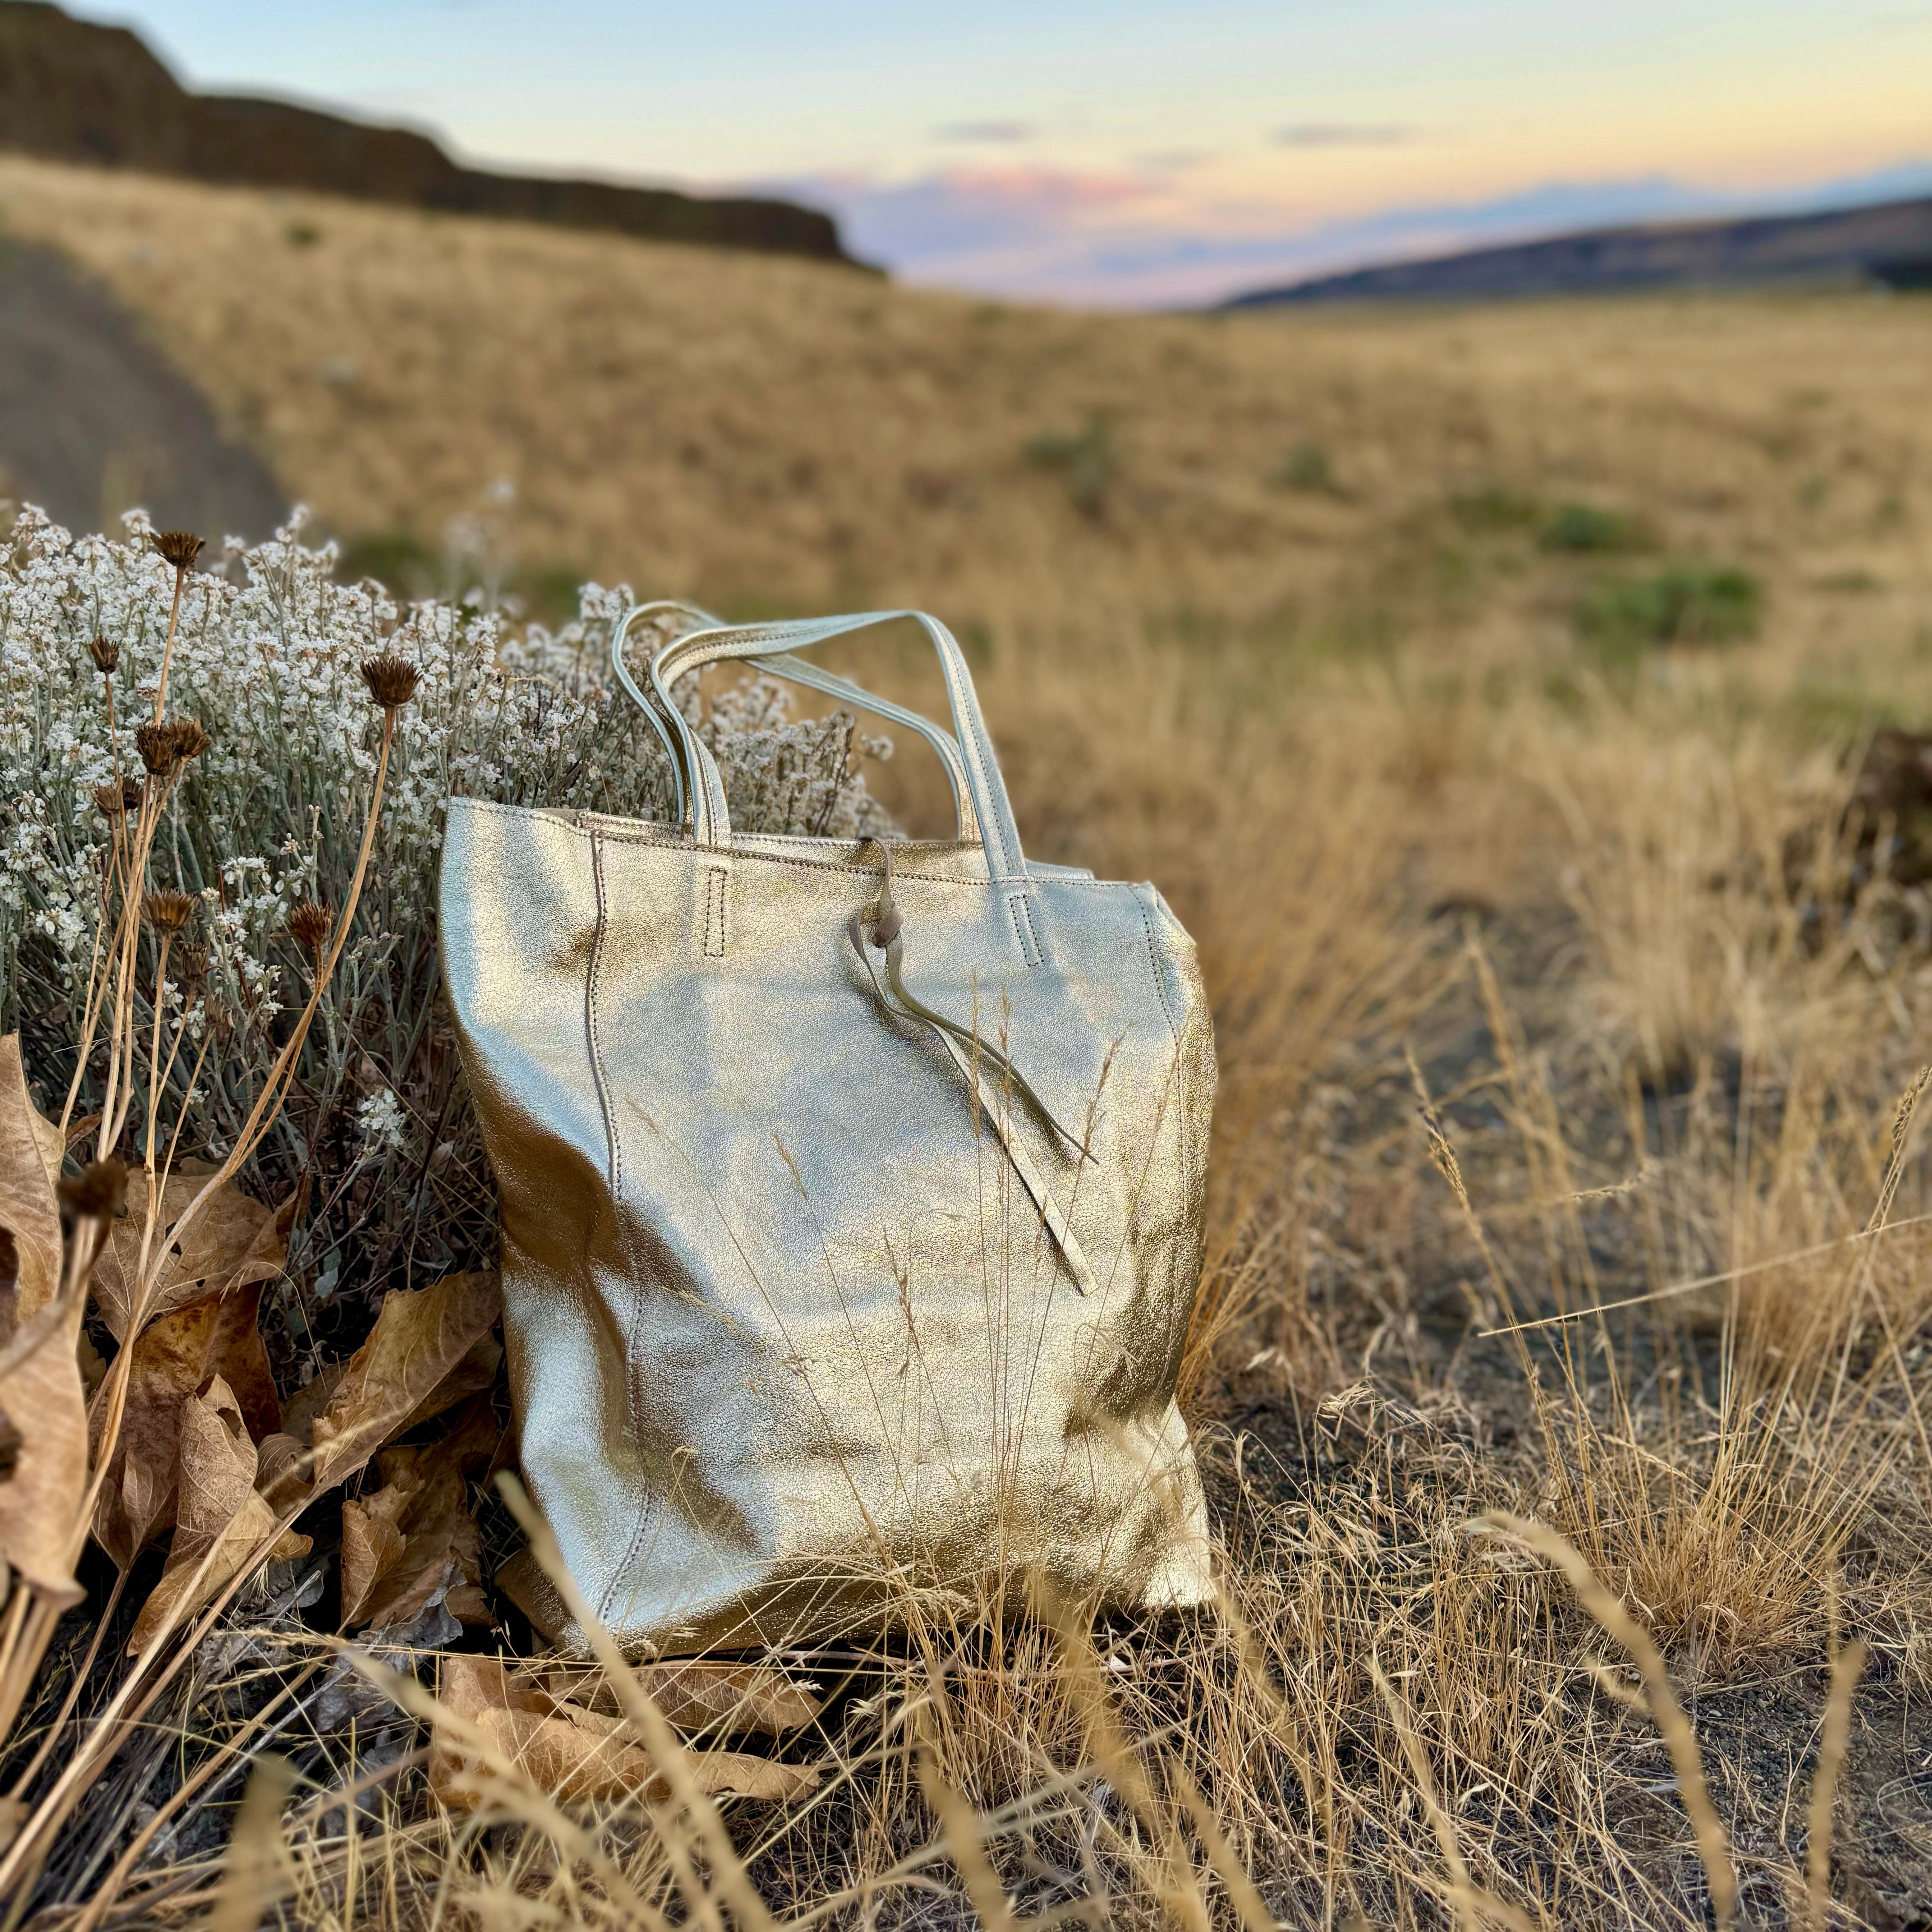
pixel 1473 1905
pixel 1846 1667
pixel 960 1829
pixel 257 1869
pixel 108 1891
pixel 665 1747
pixel 1173 1877
pixel 1442 1157
pixel 1723 1277
pixel 1713 1846
pixel 1250 1908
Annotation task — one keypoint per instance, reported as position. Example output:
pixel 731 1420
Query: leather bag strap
pixel 795 670
pixel 984 789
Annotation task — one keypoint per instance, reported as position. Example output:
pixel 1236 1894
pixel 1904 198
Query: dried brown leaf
pixel 413 1537
pixel 705 1694
pixel 220 1522
pixel 476 1372
pixel 573 1754
pixel 41 1387
pixel 281 1468
pixel 300 1411
pixel 372 1544
pixel 30 1163
pixel 232 1243
pixel 173 1358
pixel 469 1603
pixel 418 1339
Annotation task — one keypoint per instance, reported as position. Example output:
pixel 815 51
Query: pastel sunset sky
pixel 1123 153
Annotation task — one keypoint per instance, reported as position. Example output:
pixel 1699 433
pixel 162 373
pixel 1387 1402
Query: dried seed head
pixel 191 961
pixel 310 922
pixel 391 681
pixel 106 655
pixel 178 548
pixel 168 910
pixel 158 747
pixel 190 740
pixel 114 799
pixel 99 1192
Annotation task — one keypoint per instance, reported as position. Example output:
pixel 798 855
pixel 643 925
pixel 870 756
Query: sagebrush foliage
pixel 268 657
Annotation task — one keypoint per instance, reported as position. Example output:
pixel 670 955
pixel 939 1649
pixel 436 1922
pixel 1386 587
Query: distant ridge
pixel 71 91
pixel 1888 244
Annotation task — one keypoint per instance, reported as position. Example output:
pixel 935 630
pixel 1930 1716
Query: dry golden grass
pixel 1356 734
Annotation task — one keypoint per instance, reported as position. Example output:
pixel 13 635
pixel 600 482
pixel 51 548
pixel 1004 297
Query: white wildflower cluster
pixel 268 657
pixel 783 772
pixel 384 1126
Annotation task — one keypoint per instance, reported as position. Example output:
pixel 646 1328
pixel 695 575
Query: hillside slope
pixel 1890 243
pixel 771 434
pixel 72 91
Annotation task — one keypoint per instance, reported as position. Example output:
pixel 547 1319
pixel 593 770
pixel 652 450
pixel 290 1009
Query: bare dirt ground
pixel 94 418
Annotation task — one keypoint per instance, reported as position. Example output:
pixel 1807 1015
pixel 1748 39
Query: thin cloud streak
pixel 1129 241
pixel 987 132
pixel 1345 134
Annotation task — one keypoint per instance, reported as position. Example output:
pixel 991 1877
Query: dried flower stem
pixel 21 1649
pixel 113 1390
pixel 168 648
pixel 155 1060
pixel 275 1089
pixel 97 994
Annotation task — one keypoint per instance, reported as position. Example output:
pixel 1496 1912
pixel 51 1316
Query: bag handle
pixel 710 816
pixel 815 677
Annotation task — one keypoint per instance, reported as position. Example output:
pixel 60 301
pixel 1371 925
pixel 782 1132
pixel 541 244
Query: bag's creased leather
pixel 787 1341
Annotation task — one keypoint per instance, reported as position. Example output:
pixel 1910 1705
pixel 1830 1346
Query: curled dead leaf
pixel 234 1242
pixel 573 1754
pixel 41 1388
pixel 281 1468
pixel 30 1164
pixel 414 1536
pixel 223 1526
pixel 417 1339
pixel 172 1358
pixel 300 1411
pixel 703 1694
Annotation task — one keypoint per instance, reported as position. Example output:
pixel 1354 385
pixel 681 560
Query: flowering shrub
pixel 261 831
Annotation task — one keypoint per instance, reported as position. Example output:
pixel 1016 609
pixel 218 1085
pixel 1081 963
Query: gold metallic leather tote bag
pixel 852 1195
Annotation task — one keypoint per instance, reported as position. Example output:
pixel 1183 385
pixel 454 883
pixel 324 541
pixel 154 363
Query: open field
pixel 1486 689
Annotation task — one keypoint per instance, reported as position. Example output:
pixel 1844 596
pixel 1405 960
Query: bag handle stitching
pixel 709 812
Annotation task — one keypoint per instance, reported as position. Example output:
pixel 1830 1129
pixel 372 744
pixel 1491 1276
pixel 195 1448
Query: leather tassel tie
pixel 973 1055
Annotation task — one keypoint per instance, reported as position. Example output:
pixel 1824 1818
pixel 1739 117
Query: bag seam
pixel 1020 904
pixel 621 837
pixel 614 1144
pixel 1159 976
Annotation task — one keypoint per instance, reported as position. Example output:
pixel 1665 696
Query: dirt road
pixel 94 419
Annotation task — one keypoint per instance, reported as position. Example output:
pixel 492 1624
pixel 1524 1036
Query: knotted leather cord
pixel 969 1052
